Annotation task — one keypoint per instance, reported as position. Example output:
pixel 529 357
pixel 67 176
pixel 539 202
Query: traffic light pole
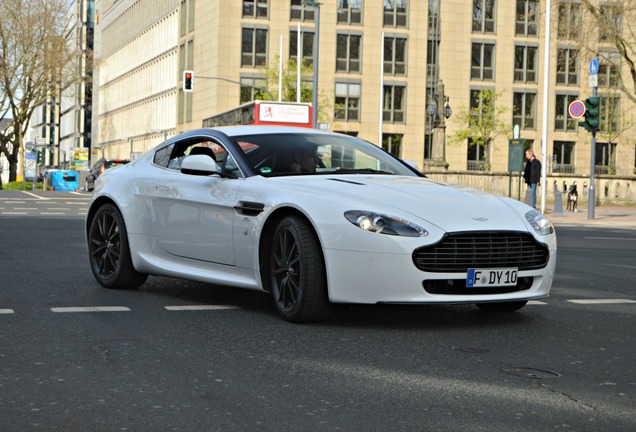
pixel 591 197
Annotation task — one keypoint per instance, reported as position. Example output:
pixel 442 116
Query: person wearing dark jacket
pixel 532 174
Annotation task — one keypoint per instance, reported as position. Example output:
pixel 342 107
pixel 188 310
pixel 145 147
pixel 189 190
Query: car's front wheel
pixel 109 251
pixel 502 306
pixel 297 272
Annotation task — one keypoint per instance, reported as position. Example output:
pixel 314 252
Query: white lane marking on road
pixel 36 196
pixel 25 208
pixel 6 311
pixel 90 309
pixel 609 238
pixel 622 266
pixel 200 307
pixel 15 202
pixel 601 301
pixel 14 213
pixel 51 213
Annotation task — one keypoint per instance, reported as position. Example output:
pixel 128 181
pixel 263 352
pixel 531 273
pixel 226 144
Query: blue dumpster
pixel 64 181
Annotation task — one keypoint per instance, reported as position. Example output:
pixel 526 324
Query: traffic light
pixel 40 157
pixel 592 110
pixel 188 80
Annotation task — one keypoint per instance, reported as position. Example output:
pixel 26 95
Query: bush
pixel 17 186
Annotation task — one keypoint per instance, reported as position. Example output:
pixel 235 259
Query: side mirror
pixel 202 165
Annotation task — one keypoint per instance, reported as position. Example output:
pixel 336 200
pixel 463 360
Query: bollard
pixel 529 197
pixel 558 203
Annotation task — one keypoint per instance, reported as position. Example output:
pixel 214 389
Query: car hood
pixel 449 207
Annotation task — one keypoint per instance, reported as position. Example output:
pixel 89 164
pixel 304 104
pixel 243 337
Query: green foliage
pixel 482 120
pixel 17 186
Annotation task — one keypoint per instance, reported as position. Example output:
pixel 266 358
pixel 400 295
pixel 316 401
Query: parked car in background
pixel 314 218
pixel 101 166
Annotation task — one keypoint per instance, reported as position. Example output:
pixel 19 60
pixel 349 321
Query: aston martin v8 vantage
pixel 315 218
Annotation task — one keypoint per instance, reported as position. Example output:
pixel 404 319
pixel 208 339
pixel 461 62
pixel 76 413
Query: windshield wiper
pixel 361 171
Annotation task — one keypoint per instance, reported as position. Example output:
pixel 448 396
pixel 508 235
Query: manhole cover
pixel 526 372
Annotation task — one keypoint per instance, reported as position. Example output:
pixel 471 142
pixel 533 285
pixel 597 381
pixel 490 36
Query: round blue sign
pixel 594 67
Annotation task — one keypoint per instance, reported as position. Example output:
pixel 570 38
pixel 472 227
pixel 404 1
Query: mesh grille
pixel 458 252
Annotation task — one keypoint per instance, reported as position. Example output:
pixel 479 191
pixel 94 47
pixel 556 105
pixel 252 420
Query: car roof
pixel 252 129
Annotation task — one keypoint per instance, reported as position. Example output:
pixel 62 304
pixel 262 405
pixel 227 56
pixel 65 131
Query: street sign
pixel 576 109
pixel 593 80
pixel 594 67
pixel 40 141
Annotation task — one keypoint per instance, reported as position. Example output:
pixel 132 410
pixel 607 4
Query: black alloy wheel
pixel 109 252
pixel 297 272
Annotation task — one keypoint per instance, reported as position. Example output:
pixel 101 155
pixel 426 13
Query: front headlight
pixel 539 222
pixel 383 224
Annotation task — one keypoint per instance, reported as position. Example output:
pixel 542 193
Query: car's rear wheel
pixel 109 251
pixel 502 306
pixel 297 272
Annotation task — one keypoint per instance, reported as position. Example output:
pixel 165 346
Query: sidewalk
pixel 607 216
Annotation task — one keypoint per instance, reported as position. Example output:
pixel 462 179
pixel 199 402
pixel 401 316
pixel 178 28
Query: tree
pixel 613 23
pixel 33 56
pixel 289 89
pixel 481 120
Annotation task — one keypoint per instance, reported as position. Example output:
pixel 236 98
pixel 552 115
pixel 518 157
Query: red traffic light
pixel 188 79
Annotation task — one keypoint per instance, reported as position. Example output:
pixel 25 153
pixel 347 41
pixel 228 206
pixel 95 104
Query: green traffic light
pixel 592 111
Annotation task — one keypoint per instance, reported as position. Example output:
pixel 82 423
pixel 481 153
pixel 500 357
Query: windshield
pixel 301 154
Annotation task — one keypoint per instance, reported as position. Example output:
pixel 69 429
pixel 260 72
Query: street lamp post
pixel 316 59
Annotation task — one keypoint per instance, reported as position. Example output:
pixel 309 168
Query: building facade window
pixel 563 157
pixel 482 61
pixel 307 44
pixel 299 12
pixel 250 88
pixel 527 18
pixel 392 143
pixel 254 47
pixel 395 55
pixel 610 114
pixel 476 156
pixel 524 109
pixel 569 20
pixel 255 8
pixel 608 69
pixel 347 106
pixel 348 53
pixel 563 121
pixel 612 18
pixel 605 158
pixel 395 13
pixel 525 64
pixel 349 11
pixel 567 66
pixel 394 104
pixel 484 16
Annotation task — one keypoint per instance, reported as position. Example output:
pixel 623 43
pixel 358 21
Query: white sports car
pixel 315 218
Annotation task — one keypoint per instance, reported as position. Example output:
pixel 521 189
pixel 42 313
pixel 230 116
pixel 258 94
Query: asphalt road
pixel 183 356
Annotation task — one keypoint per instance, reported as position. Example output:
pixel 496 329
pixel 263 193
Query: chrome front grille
pixel 457 252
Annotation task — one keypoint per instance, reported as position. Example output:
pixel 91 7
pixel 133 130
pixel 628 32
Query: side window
pixel 162 156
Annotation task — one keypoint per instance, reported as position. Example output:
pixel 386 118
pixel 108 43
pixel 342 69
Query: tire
pixel 297 272
pixel 109 251
pixel 502 306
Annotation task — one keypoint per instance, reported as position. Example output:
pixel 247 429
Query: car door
pixel 193 216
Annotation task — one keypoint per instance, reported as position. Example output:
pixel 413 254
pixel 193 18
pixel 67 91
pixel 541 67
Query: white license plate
pixel 477 278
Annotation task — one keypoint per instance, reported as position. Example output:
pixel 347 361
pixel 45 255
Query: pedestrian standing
pixel 532 174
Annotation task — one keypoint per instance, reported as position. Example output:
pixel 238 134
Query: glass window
pixel 610 114
pixel 395 55
pixel 527 18
pixel 253 88
pixel 395 13
pixel 525 64
pixel 524 109
pixel 567 66
pixel 347 107
pixel 482 61
pixel 608 69
pixel 348 56
pixel 300 12
pixel 254 47
pixel 563 157
pixel 350 11
pixel 605 158
pixel 569 20
pixel 307 44
pixel 476 156
pixel 255 8
pixel 611 18
pixel 394 104
pixel 483 16
pixel 392 143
